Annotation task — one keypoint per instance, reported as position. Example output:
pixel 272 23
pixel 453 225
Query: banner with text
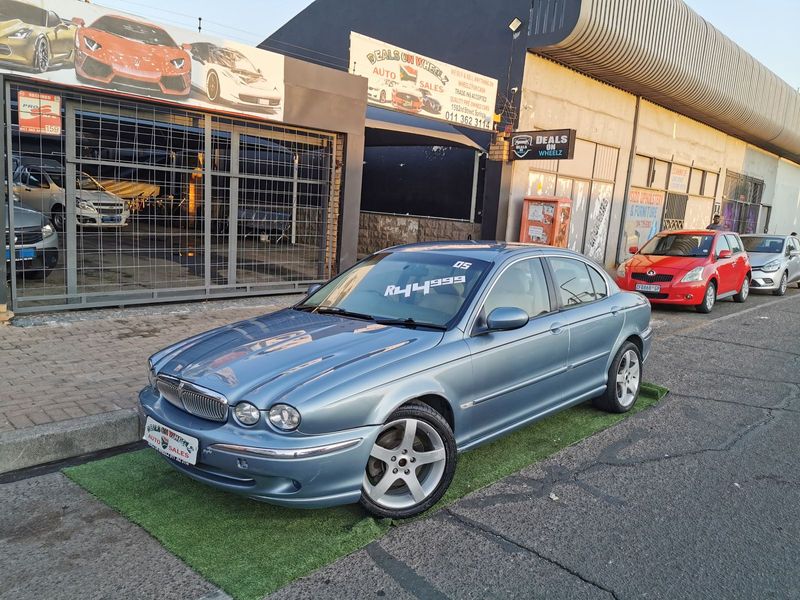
pixel 409 82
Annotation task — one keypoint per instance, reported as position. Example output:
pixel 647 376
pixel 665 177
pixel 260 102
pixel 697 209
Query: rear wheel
pixel 58 218
pixel 41 55
pixel 744 291
pixel 709 299
pixel 212 86
pixel 783 285
pixel 411 463
pixel 624 380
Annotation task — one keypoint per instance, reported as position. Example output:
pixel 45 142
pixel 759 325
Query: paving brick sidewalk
pixel 65 366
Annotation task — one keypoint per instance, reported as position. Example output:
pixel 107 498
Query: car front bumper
pixel 303 471
pixel 681 293
pixel 759 280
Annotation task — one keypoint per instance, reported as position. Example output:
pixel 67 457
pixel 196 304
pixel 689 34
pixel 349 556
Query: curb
pixel 40 444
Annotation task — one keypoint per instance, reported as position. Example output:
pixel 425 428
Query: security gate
pixel 154 203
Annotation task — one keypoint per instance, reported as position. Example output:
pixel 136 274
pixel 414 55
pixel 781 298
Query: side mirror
pixel 78 21
pixel 187 47
pixel 506 319
pixel 724 254
pixel 633 249
pixel 313 288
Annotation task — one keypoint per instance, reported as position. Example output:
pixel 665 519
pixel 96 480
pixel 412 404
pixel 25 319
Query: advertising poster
pixel 39 113
pixel 599 216
pixel 84 45
pixel 642 219
pixel 409 82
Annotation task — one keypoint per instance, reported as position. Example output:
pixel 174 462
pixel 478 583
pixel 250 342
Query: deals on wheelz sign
pixel 406 81
pixel 543 145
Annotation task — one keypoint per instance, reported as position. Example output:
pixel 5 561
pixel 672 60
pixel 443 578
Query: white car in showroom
pixel 227 75
pixel 40 185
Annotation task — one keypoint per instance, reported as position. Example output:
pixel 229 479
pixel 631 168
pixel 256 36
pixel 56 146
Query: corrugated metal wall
pixel 667 53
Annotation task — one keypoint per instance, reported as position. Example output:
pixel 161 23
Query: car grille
pixel 26 236
pixel 94 68
pixel 658 278
pixel 110 210
pixel 193 399
pixel 5 50
pixel 174 82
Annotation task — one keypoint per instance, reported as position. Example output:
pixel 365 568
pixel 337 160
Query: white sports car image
pixel 226 75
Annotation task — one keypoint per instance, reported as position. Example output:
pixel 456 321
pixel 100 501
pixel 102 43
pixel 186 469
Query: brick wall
pixel 378 230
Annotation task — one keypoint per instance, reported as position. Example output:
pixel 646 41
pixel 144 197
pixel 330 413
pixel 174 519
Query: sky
pixel 766 29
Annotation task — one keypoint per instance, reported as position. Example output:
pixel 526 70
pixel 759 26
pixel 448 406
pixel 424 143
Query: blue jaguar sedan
pixel 367 390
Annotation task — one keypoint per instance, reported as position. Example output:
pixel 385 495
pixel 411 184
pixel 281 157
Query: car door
pixel 726 270
pixel 738 260
pixel 793 258
pixel 60 35
pixel 517 374
pixel 33 189
pixel 593 321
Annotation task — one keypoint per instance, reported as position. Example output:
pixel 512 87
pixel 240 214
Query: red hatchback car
pixel 693 268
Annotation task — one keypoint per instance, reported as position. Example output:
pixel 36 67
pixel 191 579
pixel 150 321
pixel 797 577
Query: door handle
pixel 556 328
pixel 615 310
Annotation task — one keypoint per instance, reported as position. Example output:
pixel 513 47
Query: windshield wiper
pixel 410 323
pixel 334 310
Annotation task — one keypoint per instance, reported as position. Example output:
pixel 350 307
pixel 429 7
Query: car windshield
pixel 87 182
pixel 56 176
pixel 410 287
pixel 233 59
pixel 769 245
pixel 678 244
pixel 133 30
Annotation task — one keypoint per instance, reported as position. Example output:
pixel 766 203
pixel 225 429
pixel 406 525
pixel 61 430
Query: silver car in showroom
pixel 35 243
pixel 775 261
pixel 367 389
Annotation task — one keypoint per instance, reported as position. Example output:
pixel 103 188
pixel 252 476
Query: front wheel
pixel 411 463
pixel 58 217
pixel 744 291
pixel 783 285
pixel 709 299
pixel 41 55
pixel 624 380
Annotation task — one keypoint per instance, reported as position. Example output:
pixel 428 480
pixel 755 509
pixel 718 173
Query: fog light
pixel 689 296
pixel 246 413
pixel 284 417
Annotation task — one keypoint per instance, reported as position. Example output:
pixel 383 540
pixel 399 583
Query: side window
pixel 722 244
pixel 733 242
pixel 52 19
pixel 599 284
pixel 573 283
pixel 522 285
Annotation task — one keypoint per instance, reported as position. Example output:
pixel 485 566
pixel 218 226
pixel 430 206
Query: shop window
pixel 541 184
pixel 710 185
pixel 582 163
pixel 678 178
pixel 564 187
pixel 696 182
pixel 658 178
pixel 599 215
pixel 641 171
pixel 605 164
pixel 580 206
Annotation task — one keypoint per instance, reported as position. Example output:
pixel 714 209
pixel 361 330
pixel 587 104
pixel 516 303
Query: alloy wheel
pixel 745 291
pixel 784 284
pixel 711 296
pixel 628 376
pixel 41 56
pixel 406 464
pixel 212 86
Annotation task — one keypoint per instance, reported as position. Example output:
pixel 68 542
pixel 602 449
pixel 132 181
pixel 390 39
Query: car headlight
pixel 622 270
pixel 47 230
pixel 21 34
pixel 178 62
pixel 771 266
pixel 84 205
pixel 151 374
pixel 284 417
pixel 695 274
pixel 91 44
pixel 246 413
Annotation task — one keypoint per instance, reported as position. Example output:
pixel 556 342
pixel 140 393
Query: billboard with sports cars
pixel 412 83
pixel 84 45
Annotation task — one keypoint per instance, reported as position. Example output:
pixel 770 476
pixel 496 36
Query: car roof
pixel 695 232
pixel 486 250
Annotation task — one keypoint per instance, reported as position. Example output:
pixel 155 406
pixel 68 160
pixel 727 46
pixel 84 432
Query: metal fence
pixel 155 203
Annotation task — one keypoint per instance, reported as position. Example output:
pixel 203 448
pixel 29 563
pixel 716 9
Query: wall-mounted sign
pixel 86 45
pixel 39 113
pixel 543 145
pixel 409 82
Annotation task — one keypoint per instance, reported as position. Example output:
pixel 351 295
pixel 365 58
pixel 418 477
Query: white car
pixel 227 75
pixel 381 93
pixel 39 184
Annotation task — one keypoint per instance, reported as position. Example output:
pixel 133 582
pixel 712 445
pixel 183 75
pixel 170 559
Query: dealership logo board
pixel 409 82
pixel 543 145
pixel 91 46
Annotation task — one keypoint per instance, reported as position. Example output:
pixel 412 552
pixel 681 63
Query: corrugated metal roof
pixel 667 53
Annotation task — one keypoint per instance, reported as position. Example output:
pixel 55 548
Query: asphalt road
pixel 695 498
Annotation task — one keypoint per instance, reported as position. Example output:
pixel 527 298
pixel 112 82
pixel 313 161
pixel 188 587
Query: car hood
pixel 99 197
pixel 131 53
pixel 759 259
pixel 24 218
pixel 669 264
pixel 290 355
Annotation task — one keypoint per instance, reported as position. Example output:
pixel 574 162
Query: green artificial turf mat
pixel 250 549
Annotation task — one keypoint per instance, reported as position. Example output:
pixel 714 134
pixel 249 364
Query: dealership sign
pixel 84 45
pixel 409 82
pixel 543 145
pixel 39 113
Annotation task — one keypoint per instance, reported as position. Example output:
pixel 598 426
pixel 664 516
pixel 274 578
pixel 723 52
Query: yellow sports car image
pixel 34 37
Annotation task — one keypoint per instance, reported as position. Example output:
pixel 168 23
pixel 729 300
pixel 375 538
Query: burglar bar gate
pixel 168 204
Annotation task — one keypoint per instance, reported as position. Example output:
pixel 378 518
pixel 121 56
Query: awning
pixel 391 128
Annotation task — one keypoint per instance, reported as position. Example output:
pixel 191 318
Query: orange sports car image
pixel 132 55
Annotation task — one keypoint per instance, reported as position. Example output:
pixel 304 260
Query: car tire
pixel 41 55
pixel 624 380
pixel 57 216
pixel 386 491
pixel 383 97
pixel 212 86
pixel 744 291
pixel 782 286
pixel 709 299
